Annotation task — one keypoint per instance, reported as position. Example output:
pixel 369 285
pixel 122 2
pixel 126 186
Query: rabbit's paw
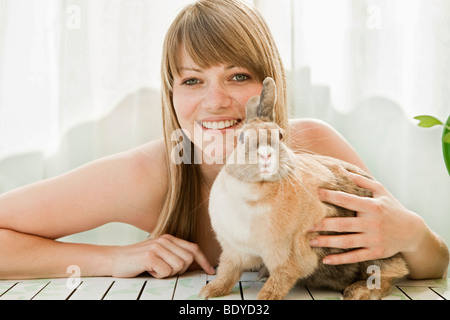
pixel 269 295
pixel 357 293
pixel 213 289
pixel 263 274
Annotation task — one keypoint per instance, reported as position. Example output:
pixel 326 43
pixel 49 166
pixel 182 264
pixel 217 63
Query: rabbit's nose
pixel 265 153
pixel 265 157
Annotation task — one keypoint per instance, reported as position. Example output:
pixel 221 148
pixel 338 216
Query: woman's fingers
pixel 186 256
pixel 344 200
pixel 160 269
pixel 162 257
pixel 188 251
pixel 366 183
pixel 354 256
pixel 339 224
pixel 165 262
pixel 347 241
pixel 381 228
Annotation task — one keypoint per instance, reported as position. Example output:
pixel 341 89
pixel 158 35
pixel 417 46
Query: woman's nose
pixel 216 97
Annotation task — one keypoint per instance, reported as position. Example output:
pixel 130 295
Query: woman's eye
pixel 240 77
pixel 191 82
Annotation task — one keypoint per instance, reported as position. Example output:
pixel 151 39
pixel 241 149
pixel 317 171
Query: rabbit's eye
pixel 281 135
pixel 241 137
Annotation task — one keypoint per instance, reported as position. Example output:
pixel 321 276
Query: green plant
pixel 428 122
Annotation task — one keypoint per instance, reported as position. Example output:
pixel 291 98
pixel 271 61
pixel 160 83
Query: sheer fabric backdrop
pixel 80 80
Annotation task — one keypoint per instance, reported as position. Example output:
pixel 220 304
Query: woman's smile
pixel 220 124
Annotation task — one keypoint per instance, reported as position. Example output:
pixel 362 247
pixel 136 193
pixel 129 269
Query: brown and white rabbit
pixel 262 205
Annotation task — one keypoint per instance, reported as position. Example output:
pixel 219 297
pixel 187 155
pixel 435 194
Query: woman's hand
pixel 162 257
pixel 382 227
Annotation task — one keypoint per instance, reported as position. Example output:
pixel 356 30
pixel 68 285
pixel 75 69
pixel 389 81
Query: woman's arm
pixel 383 227
pixel 128 187
pixel 25 256
pixel 32 217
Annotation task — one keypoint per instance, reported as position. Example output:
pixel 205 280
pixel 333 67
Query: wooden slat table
pixel 187 287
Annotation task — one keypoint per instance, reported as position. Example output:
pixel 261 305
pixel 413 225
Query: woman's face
pixel 210 105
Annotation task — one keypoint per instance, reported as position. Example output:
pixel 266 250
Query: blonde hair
pixel 211 32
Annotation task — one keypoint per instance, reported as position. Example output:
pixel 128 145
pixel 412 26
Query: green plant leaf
pixel 446 138
pixel 428 121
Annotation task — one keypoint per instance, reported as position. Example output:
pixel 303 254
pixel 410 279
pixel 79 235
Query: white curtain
pixel 80 80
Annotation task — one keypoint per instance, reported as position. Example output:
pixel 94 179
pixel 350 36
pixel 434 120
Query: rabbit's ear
pixel 268 99
pixel 252 108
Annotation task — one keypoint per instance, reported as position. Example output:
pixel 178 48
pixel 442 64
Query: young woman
pixel 216 55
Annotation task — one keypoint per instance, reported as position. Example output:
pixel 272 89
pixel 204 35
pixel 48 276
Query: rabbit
pixel 262 211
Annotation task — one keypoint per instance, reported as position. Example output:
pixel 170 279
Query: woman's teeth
pixel 219 125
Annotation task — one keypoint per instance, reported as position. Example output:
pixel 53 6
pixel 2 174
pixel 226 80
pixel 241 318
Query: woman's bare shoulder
pixel 151 157
pixel 309 134
pixel 318 137
pixel 149 168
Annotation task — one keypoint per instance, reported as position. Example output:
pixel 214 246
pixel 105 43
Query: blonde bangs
pixel 212 34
